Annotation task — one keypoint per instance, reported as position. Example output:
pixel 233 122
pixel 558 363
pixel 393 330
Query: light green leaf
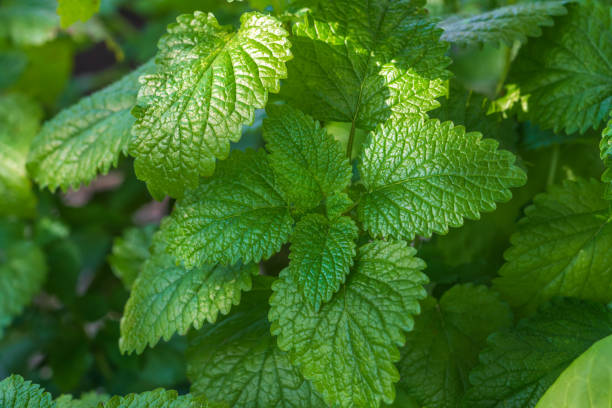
pixel 361 61
pixel 158 398
pixel 321 255
pixel 15 392
pixel 28 22
pixel 423 176
pixel 561 248
pixel 505 25
pixel 22 273
pixel 19 121
pixel 521 363
pixel 237 215
pixel 445 342
pixel 309 164
pixel 237 361
pixel 606 155
pixel 347 349
pixel 210 82
pixel 167 298
pixel 586 383
pixel 567 72
pixel 338 204
pixel 130 251
pixel 72 11
pixel 87 138
pixel 87 400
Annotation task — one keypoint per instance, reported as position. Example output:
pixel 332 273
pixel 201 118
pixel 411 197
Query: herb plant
pixel 306 203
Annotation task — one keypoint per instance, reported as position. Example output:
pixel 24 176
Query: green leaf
pixel 19 121
pixel 423 176
pixel 15 392
pixel 361 61
pixel 22 273
pixel 158 398
pixel 321 255
pixel 88 138
pixel 561 248
pixel 477 114
pixel 87 400
pixel 445 342
pixel 585 383
pixel 505 25
pixel 605 147
pixel 567 72
pixel 130 251
pixel 167 298
pixel 338 204
pixel 72 11
pixel 237 361
pixel 210 83
pixel 521 363
pixel 237 215
pixel 28 22
pixel 12 65
pixel 347 349
pixel 309 164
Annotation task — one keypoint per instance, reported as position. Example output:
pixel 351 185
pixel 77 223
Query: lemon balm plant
pixel 353 257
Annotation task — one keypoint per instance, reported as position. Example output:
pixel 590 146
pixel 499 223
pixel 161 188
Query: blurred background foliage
pixel 66 339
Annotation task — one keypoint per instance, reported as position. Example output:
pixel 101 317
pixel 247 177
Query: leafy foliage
pixel 362 62
pixel 567 72
pixel 503 25
pixel 386 285
pixel 423 176
pixel 585 382
pixel 237 361
pixel 280 168
pixel 239 214
pixel 86 138
pixel 446 340
pixel 210 82
pixel 520 364
pixel 560 248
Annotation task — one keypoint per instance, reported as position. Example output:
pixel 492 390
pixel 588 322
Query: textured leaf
pixel 28 22
pixel 521 363
pixel 210 82
pixel 423 176
pixel 87 400
pixel 130 251
pixel 237 361
pixel 505 25
pixel 72 11
pixel 445 342
pixel 606 155
pixel 309 164
pixel 15 392
pixel 347 349
pixel 88 137
pixel 338 204
pixel 168 298
pixel 238 214
pixel 586 382
pixel 561 248
pixel 321 255
pixel 158 398
pixel 22 273
pixel 567 72
pixel 361 61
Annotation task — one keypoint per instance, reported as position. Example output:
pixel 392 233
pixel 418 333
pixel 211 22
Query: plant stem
pixel 349 146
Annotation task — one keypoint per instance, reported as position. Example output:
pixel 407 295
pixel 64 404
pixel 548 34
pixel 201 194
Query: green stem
pixel 349 146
